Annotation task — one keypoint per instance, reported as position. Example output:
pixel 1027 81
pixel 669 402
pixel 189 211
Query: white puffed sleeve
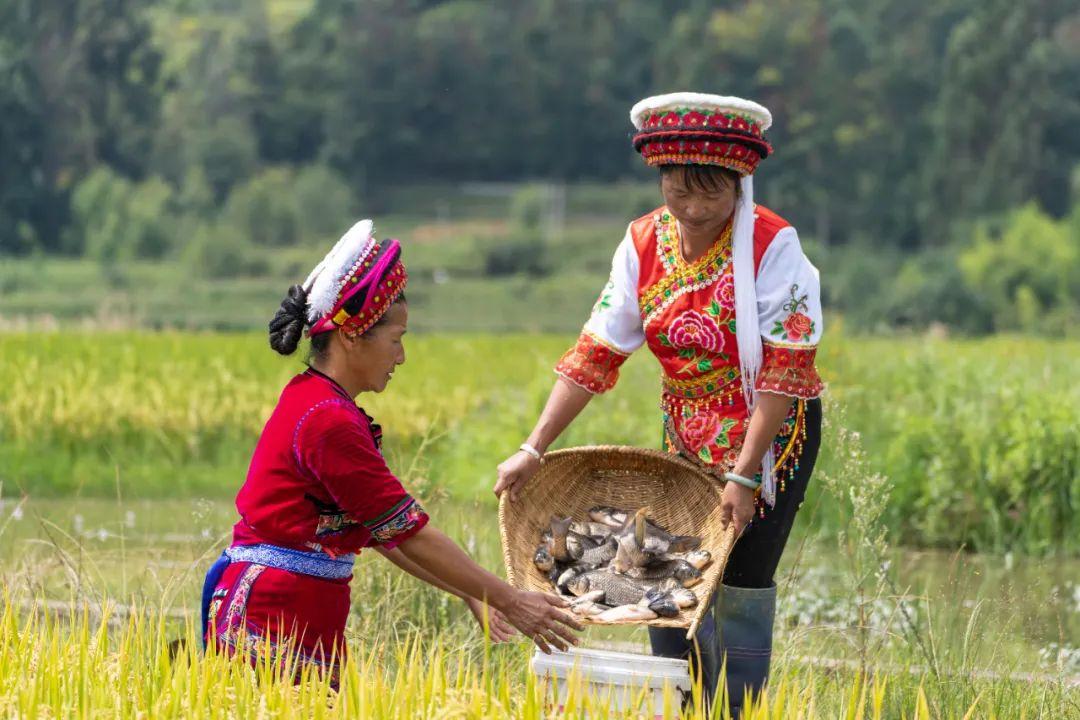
pixel 789 314
pixel 614 329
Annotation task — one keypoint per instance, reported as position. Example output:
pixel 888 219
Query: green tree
pixel 1029 272
pixel 1007 78
pixel 264 209
pixel 324 203
pixel 115 219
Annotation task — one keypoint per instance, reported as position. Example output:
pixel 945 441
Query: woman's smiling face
pixel 701 202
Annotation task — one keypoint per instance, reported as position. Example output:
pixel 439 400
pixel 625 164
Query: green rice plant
pixel 979 438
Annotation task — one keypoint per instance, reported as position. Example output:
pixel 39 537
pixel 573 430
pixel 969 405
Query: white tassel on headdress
pixel 325 279
pixel 747 331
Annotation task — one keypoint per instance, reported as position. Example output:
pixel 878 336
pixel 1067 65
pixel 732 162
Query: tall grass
pixel 121 667
pixel 980 439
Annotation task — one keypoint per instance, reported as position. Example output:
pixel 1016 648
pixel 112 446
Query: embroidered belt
pixel 723 382
pixel 316 564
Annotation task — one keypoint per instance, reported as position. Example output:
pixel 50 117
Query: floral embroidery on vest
pixel 687 314
pixel 724 294
pixel 681 278
pixel 692 329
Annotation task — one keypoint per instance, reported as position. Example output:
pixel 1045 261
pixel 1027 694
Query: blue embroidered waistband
pixel 316 564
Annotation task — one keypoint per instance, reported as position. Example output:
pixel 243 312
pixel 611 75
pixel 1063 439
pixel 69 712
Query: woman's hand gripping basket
pixel 680 497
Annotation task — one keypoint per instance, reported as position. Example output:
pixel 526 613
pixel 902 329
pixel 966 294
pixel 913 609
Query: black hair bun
pixel 288 323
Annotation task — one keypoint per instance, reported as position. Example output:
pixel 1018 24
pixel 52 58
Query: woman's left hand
pixel 498 628
pixel 737 505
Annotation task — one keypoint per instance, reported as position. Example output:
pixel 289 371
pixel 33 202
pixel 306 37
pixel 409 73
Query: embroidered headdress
pixel 356 283
pixel 699 129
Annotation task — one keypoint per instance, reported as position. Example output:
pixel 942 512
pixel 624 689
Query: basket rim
pixel 662 456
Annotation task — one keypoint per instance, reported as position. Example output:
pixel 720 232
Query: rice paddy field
pixel 934 570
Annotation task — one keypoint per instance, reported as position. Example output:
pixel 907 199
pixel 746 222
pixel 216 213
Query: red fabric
pixel 789 370
pixel 318 481
pixel 766 225
pixel 688 312
pixel 591 364
pixel 302 617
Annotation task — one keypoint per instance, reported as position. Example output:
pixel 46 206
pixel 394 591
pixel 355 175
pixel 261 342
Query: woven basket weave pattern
pixel 681 498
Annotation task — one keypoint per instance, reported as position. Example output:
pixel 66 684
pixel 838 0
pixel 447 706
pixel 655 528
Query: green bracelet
pixel 744 481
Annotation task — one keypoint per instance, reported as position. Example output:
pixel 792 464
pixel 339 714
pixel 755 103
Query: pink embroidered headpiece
pixel 360 273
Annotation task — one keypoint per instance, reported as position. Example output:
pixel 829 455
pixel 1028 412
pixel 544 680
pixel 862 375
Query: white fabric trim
pixel 746 309
pixel 747 333
pixel 782 266
pixel 355 242
pixel 618 322
pixel 653 104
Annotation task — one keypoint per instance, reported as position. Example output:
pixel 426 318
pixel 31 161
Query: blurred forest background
pixel 173 162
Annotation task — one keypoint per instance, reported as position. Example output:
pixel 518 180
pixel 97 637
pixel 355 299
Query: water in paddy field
pixel 1001 614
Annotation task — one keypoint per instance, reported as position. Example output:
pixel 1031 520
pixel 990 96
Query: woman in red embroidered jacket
pixel 318 489
pixel 721 292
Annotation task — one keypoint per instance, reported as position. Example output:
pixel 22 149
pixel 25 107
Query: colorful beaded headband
pixel 357 265
pixel 699 129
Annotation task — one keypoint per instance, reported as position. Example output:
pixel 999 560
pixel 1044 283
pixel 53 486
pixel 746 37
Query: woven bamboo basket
pixel 682 499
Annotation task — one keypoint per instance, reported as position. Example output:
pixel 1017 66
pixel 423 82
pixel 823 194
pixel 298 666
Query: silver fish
pixel 589 609
pixel 661 603
pixel 618 589
pixel 658 544
pixel 591 596
pixel 607 515
pixel 681 570
pixel 577 544
pixel 699 558
pixel 543 559
pixel 563 577
pixel 588 604
pixel 560 529
pixel 631 538
pixel 684 598
pixel 567 573
pixel 659 539
pixel 594 530
pixel 617 518
pixel 601 553
pixel 626 613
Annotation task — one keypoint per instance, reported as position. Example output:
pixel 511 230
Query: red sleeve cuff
pixel 789 370
pixel 591 364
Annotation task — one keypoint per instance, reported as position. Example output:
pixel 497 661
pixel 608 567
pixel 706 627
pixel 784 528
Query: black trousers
pixel 756 555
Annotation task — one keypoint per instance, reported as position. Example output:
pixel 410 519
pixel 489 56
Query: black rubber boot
pixel 744 618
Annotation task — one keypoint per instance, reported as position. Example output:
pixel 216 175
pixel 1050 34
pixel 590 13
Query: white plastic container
pixel 617 679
